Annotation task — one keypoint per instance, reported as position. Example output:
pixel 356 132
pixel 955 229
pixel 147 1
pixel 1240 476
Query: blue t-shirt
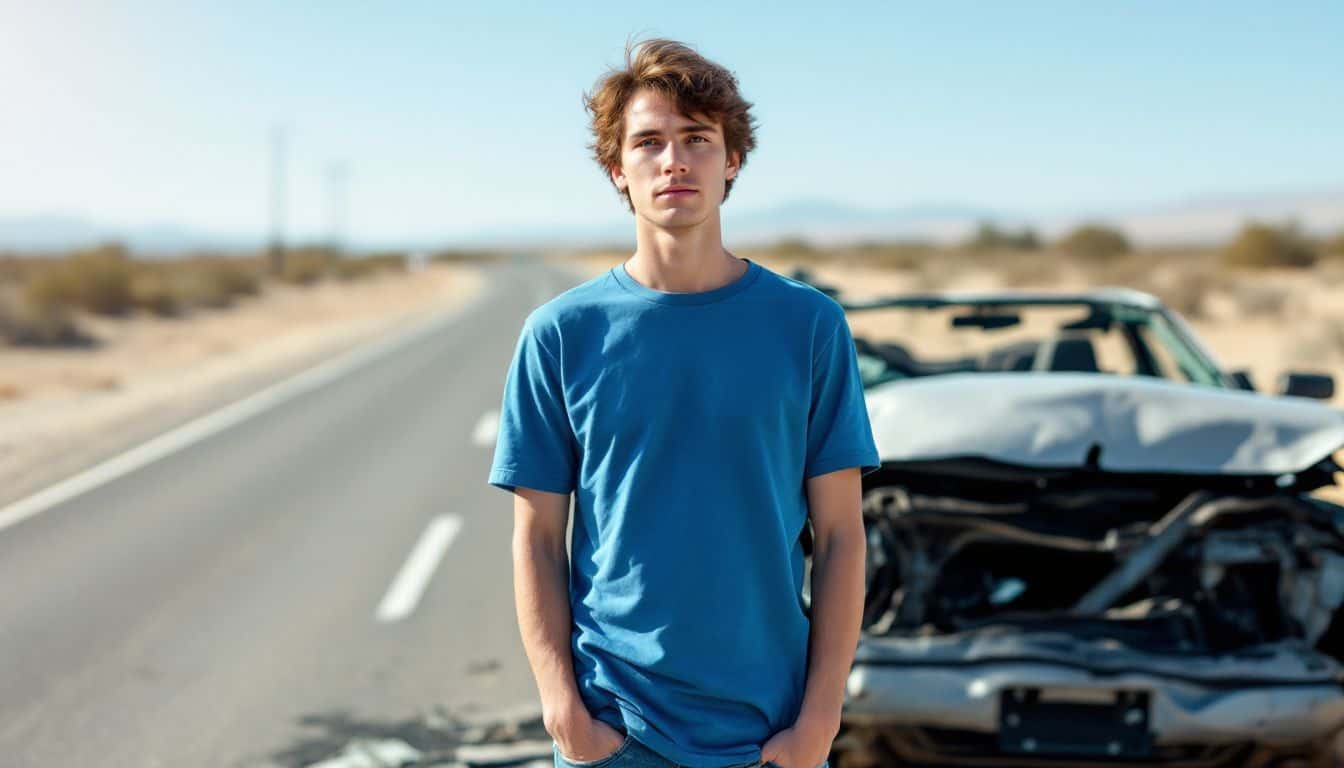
pixel 686 425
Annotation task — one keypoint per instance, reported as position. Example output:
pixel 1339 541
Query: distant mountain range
pixel 818 221
pixel 61 232
pixel 1194 222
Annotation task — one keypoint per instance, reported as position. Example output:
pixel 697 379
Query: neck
pixel 684 260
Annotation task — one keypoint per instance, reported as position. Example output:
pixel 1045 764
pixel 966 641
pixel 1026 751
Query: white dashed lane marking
pixel 404 594
pixel 486 429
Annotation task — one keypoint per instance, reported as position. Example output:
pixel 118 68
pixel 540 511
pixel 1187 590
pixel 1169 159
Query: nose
pixel 674 160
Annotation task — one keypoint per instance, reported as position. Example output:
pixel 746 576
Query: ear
pixel 734 163
pixel 618 177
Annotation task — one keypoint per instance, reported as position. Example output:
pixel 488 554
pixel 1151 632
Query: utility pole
pixel 337 175
pixel 277 244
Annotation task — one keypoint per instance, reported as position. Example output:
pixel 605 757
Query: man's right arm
pixel 541 595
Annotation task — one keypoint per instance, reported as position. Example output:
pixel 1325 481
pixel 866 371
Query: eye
pixel 643 142
pixel 701 138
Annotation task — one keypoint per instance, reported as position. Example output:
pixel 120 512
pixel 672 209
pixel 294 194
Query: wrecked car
pixel 1089 545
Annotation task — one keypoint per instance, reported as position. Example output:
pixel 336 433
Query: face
pixel 674 167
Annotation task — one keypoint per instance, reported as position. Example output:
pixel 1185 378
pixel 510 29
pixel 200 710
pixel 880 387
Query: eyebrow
pixel 694 128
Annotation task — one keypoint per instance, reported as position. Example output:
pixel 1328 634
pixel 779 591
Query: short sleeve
pixel 535 446
pixel 839 434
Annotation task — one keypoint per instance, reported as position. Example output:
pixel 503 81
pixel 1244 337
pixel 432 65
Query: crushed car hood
pixel 1140 424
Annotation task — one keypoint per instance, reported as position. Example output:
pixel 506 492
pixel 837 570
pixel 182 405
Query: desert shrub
pixel 1028 270
pixel 51 287
pixel 394 261
pixel 197 287
pixel 464 255
pixel 893 254
pixel 24 323
pixel 97 280
pixel 1334 246
pixel 355 269
pixel 1134 270
pixel 12 269
pixel 364 266
pixel 215 281
pixel 795 248
pixel 152 290
pixel 989 237
pixel 352 269
pixel 236 277
pixel 1096 242
pixel 1260 245
pixel 304 266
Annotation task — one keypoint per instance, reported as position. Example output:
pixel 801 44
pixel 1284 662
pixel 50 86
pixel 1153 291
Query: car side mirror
pixel 1317 386
pixel 1241 379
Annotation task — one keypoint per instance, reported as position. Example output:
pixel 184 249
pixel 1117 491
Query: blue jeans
pixel 633 754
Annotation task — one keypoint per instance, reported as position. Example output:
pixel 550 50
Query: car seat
pixel 1067 351
pixel 1017 356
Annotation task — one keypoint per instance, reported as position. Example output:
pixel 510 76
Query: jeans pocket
pixel 565 762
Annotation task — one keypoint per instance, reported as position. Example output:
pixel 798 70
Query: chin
pixel 676 218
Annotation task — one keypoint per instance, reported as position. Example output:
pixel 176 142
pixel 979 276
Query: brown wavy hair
pixel 695 84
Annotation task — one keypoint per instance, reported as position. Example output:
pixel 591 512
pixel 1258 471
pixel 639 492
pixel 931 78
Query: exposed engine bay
pixel 1024 618
pixel 1210 572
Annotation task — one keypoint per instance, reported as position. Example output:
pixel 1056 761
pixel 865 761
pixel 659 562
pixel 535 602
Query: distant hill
pixel 1209 221
pixel 1205 221
pixel 60 232
pixel 823 221
pixel 1217 220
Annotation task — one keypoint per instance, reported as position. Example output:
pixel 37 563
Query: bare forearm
pixel 541 595
pixel 837 614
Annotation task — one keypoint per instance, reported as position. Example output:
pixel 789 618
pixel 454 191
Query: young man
pixel 700 407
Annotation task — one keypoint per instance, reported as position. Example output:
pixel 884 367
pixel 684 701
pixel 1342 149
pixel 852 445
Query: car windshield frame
pixel 1196 365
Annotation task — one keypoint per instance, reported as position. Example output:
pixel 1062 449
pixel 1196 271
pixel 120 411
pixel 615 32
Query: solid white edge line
pixel 411 580
pixel 219 420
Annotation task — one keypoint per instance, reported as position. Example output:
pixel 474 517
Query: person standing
pixel 699 408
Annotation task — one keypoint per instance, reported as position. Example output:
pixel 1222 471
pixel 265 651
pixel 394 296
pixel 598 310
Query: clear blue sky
pixel 457 117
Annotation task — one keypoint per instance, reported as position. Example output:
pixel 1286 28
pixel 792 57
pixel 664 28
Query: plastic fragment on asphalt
pixel 502 754
pixel 382 753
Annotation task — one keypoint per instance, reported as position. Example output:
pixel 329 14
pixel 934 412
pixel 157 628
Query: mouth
pixel 677 192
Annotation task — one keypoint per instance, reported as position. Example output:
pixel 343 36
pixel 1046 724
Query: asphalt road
pixel 230 604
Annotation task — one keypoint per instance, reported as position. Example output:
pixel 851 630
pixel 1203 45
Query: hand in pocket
pixel 598 742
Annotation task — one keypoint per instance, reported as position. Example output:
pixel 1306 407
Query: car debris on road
pixel 462 738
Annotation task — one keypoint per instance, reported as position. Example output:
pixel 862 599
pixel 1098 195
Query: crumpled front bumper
pixel 1280 694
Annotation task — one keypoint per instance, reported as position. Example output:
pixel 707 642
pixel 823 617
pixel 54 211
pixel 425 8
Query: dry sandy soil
pixel 63 409
pixel 1267 321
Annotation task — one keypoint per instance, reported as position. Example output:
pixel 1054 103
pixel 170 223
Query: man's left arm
pixel 838 554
